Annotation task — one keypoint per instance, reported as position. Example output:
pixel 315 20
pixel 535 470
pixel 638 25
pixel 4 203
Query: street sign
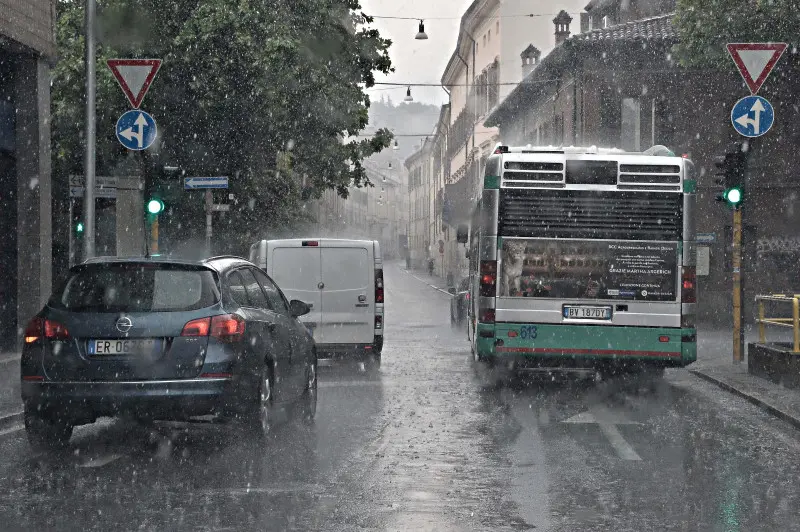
pixel 105 186
pixel 136 130
pixel 755 61
pixel 706 238
pixel 752 116
pixel 134 77
pixel 196 183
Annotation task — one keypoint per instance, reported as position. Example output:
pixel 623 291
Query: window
pixel 484 40
pixel 254 293
pixel 497 28
pixel 490 36
pixel 238 291
pixel 630 132
pixel 135 287
pixel 274 296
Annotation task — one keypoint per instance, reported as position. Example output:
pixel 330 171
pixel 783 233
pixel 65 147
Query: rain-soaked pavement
pixel 420 445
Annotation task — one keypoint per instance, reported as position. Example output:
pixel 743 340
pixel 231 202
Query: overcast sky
pixel 417 61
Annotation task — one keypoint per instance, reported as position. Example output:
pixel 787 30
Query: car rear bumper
pixel 165 399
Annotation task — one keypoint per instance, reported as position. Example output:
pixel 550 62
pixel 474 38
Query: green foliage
pixel 268 92
pixel 705 26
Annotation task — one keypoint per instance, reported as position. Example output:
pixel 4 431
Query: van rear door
pixel 295 268
pixel 348 295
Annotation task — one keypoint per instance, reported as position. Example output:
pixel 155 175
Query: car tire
pixel 308 401
pixel 260 418
pixel 46 434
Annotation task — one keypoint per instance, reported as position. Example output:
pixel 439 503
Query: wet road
pixel 420 445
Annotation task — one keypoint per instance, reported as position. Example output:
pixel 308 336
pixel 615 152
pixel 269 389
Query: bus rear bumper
pixel 584 346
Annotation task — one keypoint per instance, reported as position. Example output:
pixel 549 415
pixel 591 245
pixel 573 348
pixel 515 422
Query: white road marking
pixel 608 421
pixel 621 447
pixel 12 429
pixel 427 283
pixel 349 384
pixel 103 460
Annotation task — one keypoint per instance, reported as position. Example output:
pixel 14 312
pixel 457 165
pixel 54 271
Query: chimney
pixel 530 58
pixel 562 22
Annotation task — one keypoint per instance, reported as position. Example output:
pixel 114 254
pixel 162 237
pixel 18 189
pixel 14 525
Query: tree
pixel 267 92
pixel 705 26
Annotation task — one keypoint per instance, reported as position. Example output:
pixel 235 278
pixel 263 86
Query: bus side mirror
pixel 462 234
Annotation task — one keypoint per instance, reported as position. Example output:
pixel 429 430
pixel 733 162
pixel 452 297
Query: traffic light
pixel 730 174
pixel 79 227
pixel 155 206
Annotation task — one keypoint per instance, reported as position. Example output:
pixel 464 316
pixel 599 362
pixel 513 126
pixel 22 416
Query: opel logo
pixel 124 324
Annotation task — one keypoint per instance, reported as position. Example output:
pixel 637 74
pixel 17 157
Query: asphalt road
pixel 421 444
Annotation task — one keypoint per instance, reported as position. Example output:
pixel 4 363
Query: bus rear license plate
pixel 587 313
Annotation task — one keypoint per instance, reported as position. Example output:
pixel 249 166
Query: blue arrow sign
pixel 752 116
pixel 136 130
pixel 192 183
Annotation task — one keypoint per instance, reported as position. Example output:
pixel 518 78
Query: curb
pixel 7 420
pixel 777 412
pixel 427 283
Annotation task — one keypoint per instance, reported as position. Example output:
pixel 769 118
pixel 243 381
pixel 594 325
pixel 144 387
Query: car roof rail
pixel 218 257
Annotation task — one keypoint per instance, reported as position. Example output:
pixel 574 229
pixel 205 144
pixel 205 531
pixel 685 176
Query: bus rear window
pixel 592 172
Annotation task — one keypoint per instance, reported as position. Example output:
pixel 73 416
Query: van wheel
pixel 46 434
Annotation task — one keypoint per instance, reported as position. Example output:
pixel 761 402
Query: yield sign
pixel 134 77
pixel 755 61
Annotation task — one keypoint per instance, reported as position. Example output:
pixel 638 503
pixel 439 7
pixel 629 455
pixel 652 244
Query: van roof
pixel 322 241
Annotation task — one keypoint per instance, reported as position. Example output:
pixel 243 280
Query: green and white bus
pixel 583 258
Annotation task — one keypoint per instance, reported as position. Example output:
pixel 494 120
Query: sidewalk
pixel 10 402
pixel 715 364
pixel 434 281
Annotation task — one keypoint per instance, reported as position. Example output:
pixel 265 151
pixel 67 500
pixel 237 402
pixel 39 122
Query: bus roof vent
pixel 649 176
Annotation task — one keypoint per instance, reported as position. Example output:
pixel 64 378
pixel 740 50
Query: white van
pixel 342 282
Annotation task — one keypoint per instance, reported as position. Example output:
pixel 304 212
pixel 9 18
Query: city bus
pixel 583 259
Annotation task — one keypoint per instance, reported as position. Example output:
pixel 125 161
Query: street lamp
pixel 408 97
pixel 396 145
pixel 421 35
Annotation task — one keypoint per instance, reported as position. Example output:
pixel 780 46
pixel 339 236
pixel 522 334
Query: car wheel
pixel 46 434
pixel 262 408
pixel 308 402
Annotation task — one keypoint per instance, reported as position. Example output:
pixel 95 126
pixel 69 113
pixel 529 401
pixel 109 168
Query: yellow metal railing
pixel 793 322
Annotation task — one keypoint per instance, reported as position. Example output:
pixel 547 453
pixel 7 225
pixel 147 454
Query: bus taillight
pixel 689 285
pixel 488 286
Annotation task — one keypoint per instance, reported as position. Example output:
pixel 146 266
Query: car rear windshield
pixel 133 287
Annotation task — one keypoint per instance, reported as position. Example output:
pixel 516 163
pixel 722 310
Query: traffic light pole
pixel 209 213
pixel 738 331
pixel 89 161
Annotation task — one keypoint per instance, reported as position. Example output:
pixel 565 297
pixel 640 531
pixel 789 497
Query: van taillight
pixel 688 285
pixel 488 286
pixel 378 286
pixel 379 322
pixel 42 328
pixel 310 243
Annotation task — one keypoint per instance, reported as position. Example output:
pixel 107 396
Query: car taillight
pixel 488 278
pixel 199 327
pixel 486 315
pixel 688 285
pixel 378 286
pixel 228 326
pixel 43 328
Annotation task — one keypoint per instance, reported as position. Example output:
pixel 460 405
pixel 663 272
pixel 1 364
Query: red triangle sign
pixel 134 77
pixel 755 61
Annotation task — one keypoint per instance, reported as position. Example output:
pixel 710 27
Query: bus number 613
pixel 528 332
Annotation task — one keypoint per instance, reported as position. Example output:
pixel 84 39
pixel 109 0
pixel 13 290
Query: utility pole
pixel 90 134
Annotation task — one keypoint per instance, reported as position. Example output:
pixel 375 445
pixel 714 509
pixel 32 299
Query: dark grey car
pixel 161 339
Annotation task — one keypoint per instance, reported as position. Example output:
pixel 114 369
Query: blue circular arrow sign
pixel 136 130
pixel 752 116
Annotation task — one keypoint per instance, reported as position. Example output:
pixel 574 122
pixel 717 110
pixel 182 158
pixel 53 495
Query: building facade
pixel 27 51
pixel 617 85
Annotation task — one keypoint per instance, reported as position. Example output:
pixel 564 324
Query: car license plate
pixel 124 347
pixel 575 312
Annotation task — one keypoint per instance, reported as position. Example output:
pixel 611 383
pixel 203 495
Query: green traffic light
pixel 79 227
pixel 155 206
pixel 733 196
